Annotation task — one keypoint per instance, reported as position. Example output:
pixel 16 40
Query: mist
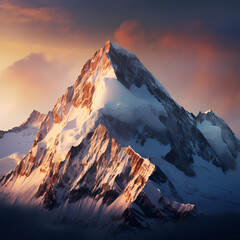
pixel 17 222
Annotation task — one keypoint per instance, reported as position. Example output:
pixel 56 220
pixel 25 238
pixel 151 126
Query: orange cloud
pixel 130 34
pixel 11 13
pixel 213 82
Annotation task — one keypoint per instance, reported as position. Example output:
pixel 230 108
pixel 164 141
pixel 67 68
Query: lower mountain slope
pixel 99 179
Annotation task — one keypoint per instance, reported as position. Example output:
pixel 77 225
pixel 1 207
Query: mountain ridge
pixel 16 142
pixel 117 146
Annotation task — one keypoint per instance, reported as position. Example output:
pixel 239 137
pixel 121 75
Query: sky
pixel 191 47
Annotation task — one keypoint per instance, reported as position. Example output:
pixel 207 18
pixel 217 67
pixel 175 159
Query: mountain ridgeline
pixel 118 152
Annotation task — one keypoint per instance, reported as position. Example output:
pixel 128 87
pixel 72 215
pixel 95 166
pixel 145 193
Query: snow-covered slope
pixel 117 148
pixel 221 138
pixel 16 142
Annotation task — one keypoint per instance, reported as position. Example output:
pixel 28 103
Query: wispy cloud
pixel 15 14
pixel 31 83
pixel 131 34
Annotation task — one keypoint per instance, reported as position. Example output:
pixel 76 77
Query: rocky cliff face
pixel 117 148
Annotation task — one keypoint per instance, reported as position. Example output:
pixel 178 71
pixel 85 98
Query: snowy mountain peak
pixel 208 111
pixel 220 137
pixel 34 119
pixel 117 146
pixel 110 46
pixel 113 61
pixel 212 117
pixel 16 142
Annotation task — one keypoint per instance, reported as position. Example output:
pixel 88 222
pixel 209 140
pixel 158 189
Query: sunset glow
pixel 44 44
pixel 119 119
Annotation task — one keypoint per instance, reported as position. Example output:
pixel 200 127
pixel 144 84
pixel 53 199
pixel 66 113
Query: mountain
pixel 117 152
pixel 220 137
pixel 16 142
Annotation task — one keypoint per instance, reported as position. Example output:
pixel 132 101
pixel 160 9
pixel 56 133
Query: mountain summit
pixel 116 148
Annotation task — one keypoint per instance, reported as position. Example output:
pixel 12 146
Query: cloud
pixel 213 80
pixel 199 71
pixel 41 23
pixel 31 83
pixel 130 34
pixel 16 14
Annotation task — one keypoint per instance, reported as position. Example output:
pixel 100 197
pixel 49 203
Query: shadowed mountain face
pixel 116 148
